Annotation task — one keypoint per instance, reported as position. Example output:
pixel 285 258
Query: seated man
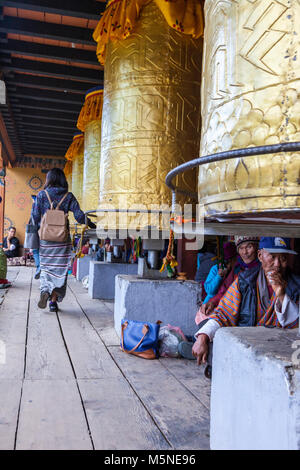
pixel 262 296
pixel 11 244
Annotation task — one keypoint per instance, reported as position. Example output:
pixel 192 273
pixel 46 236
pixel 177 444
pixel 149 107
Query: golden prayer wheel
pixel 89 122
pixel 75 154
pixel 151 113
pixel 250 97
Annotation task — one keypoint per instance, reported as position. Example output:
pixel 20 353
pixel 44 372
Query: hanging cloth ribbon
pixel 68 168
pixel 119 18
pixel 76 147
pixel 169 262
pixel 91 109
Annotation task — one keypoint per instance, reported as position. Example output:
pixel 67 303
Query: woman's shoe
pixel 43 300
pixel 37 275
pixel 53 307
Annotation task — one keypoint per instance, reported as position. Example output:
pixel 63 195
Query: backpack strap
pixel 62 200
pixel 50 202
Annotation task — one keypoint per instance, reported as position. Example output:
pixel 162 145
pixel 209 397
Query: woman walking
pixel 55 256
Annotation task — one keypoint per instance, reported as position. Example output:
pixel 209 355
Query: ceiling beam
pixel 43 137
pixel 51 132
pixel 24 103
pixel 44 147
pixel 53 70
pixel 88 9
pixel 45 117
pixel 46 51
pixel 47 83
pixel 45 95
pixel 42 29
pixel 33 121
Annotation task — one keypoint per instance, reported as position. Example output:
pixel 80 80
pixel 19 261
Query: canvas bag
pixel 32 240
pixel 54 224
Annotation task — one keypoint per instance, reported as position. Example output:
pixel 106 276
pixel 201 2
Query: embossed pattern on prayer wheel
pixel 250 97
pixel 151 112
pixel 77 176
pixel 91 166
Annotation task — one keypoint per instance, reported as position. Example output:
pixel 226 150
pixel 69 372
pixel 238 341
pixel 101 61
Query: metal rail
pixel 229 155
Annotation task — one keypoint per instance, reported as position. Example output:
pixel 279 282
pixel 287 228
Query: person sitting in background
pixel 247 259
pixel 266 295
pixel 11 244
pixel 206 258
pixel 217 274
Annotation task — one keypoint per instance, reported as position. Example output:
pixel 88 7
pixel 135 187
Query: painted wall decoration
pixel 21 183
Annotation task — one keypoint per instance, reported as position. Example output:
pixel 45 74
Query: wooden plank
pixel 89 356
pixel 52 417
pixel 96 310
pixel 10 393
pixel 47 357
pixel 98 313
pixel 182 418
pixel 191 376
pixel 13 321
pixel 118 420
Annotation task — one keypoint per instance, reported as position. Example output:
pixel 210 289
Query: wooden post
pixel 2 196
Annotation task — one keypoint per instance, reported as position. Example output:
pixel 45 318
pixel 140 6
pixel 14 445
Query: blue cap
pixel 276 245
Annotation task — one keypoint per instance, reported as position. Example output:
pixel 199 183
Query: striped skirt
pixel 55 261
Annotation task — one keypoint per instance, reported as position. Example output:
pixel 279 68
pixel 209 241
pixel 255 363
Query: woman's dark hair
pixel 56 179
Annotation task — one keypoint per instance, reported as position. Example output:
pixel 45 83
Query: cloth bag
pixel 32 239
pixel 54 224
pixel 140 338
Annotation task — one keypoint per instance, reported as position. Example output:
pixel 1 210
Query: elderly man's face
pixel 273 261
pixel 247 251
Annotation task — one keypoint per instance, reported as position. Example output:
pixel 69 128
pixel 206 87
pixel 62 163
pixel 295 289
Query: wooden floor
pixel 65 384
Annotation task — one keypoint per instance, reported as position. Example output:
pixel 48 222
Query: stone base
pixel 170 301
pixel 83 267
pixel 255 398
pixel 102 278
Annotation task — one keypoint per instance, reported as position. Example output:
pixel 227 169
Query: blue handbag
pixel 140 338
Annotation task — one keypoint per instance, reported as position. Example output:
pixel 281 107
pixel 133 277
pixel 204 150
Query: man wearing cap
pixel 267 295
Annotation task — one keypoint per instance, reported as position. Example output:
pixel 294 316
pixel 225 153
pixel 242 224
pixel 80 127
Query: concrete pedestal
pixel 170 301
pixel 255 398
pixel 83 267
pixel 102 278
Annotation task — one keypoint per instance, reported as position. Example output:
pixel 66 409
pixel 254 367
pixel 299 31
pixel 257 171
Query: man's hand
pixel 201 348
pixel 278 284
pixel 207 308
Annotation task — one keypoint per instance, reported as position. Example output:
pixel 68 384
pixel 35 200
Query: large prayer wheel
pixel 77 173
pixel 250 97
pixel 91 166
pixel 89 122
pixel 151 112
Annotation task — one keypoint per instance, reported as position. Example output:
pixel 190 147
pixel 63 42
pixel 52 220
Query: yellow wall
pixel 20 184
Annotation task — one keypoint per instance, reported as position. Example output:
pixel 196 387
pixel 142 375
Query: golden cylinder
pixel 250 97
pixel 77 176
pixel 151 113
pixel 91 165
